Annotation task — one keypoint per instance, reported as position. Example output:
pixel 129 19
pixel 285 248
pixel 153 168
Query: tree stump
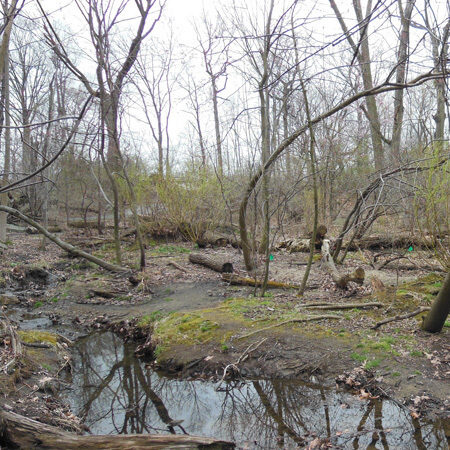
pixel 357 276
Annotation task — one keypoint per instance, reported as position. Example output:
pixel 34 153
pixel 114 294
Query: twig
pixel 177 266
pixel 36 344
pixel 306 319
pixel 241 358
pixel 403 317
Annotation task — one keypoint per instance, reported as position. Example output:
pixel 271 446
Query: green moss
pixel 37 304
pixel 33 336
pixel 396 374
pixel 416 353
pixel 372 364
pixel 149 319
pixel 184 328
pixel 46 367
pixel 361 357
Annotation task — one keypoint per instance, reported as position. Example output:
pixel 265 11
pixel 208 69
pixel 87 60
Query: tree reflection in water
pixel 115 393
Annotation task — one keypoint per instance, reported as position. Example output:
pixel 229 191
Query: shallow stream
pixel 117 393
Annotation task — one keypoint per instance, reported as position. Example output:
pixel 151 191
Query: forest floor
pixel 198 324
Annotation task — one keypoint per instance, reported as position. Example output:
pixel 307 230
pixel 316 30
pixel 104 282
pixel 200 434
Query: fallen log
pixel 64 245
pixel 377 242
pixel 217 239
pixel 177 266
pixel 216 263
pixel 357 276
pixel 21 432
pixel 401 317
pixel 344 306
pixel 243 281
pixel 303 319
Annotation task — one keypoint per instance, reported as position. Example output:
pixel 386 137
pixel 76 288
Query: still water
pixel 116 393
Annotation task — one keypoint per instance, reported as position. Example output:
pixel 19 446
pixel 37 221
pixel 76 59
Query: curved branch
pixel 64 245
pixel 8 187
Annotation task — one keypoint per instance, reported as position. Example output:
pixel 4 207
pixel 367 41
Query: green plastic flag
pixel 410 249
pixel 270 257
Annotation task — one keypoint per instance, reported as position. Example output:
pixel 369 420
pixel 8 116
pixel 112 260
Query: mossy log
pixel 357 276
pixel 21 432
pixel 243 281
pixel 217 263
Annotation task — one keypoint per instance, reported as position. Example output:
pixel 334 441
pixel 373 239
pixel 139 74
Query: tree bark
pixel 341 280
pixel 215 263
pixel 435 320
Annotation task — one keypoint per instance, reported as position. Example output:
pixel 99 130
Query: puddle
pixel 117 393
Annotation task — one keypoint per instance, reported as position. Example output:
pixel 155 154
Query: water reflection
pixel 115 393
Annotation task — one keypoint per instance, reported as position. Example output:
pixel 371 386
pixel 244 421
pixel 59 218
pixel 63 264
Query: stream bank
pixel 194 325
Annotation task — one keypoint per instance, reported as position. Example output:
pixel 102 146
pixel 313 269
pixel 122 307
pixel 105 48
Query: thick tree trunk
pixel 440 309
pixel 215 263
pixel 21 432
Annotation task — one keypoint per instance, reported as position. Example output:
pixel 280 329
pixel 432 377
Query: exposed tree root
pixel 304 319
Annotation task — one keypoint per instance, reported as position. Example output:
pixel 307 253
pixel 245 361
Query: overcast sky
pixel 180 16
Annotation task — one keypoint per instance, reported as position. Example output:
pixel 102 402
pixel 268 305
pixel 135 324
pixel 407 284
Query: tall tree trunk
pixel 440 309
pixel 362 53
pixel 440 57
pixel 217 126
pixel 7 157
pixel 312 158
pixel 46 172
pixel 402 59
pixel 9 12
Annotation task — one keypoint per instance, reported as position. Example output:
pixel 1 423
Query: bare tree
pixel 111 76
pixel 10 11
